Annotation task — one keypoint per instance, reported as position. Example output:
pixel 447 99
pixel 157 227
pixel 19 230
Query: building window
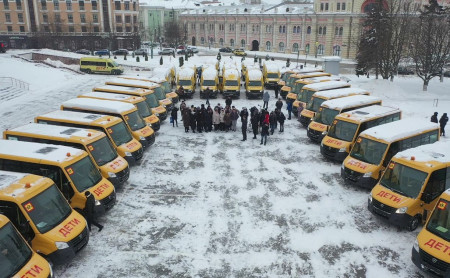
pixel 6 4
pixel 18 4
pixel 117 5
pixel 320 49
pixel 128 29
pixel 94 5
pixel 243 43
pixel 324 31
pixel 118 19
pixel 57 18
pixel 307 48
pixel 9 28
pixel 20 17
pixel 96 29
pixel 243 27
pixel 202 40
pixel 69 5
pixel 338 6
pixel 281 46
pixel 268 46
pixel 70 18
pixel 58 29
pixel 83 29
pixel 341 31
pixel 81 3
pixel 231 27
pixel 320 30
pixel 295 47
pixel 221 41
pixel 134 6
pixel 43 5
pixel 46 28
pixel 308 30
pixel 343 6
pixel 45 18
pixel 22 29
pixel 297 29
pixel 337 50
pixel 83 18
pixel 326 6
pixel 56 5
pixel 202 26
pixel 119 29
pixel 336 31
pixel 95 18
pixel 71 29
pixel 321 7
pixel 232 43
pixel 127 6
pixel 8 17
pixel 134 19
pixel 127 19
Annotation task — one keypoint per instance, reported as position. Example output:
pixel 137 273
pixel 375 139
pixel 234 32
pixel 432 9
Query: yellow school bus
pixel 99 65
pixel 112 166
pixel 346 127
pixel 329 109
pixel 159 94
pixel 430 249
pixel 126 111
pixel 287 72
pixel 409 188
pixel 139 102
pixel 271 73
pixel 71 169
pixel 18 260
pixel 117 132
pixel 339 90
pixel 289 92
pixel 149 95
pixel 165 87
pixel 375 147
pixel 42 216
pixel 158 85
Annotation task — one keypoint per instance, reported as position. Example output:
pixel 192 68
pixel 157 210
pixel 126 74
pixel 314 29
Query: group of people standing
pixel 442 121
pixel 265 122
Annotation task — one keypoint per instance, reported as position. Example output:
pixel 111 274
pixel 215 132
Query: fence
pixel 15 82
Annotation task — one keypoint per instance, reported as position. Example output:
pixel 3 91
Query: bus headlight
pixel 164 105
pixel 367 175
pixel 111 175
pixel 97 203
pixel 149 125
pixel 416 245
pixel 142 138
pixel 401 210
pixel 157 114
pixel 341 150
pixel 128 154
pixel 324 133
pixel 370 197
pixel 61 245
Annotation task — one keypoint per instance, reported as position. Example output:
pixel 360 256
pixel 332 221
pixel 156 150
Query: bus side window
pixel 393 150
pixel 110 65
pixel 62 183
pixel 436 184
pixel 447 179
pixel 15 215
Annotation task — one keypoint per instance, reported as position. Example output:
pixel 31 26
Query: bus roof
pixel 124 89
pixel 316 79
pixel 81 117
pixel 367 113
pixel 254 74
pixel 13 183
pixel 40 151
pixel 209 73
pixel 231 71
pixel 65 132
pixel 438 151
pixel 325 85
pixel 186 73
pixel 115 97
pixel 348 102
pixel 397 130
pixel 298 70
pixel 107 106
pixel 336 93
pixel 271 66
pixel 131 83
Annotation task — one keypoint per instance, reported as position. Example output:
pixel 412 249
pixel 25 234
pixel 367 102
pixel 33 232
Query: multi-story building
pixel 69 24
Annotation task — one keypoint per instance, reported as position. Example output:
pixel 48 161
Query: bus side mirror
pixel 427 198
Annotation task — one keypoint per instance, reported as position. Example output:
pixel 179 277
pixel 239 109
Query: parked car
pixel 180 47
pixel 193 49
pixel 120 52
pixel 2 47
pixel 184 51
pixel 404 71
pixel 141 51
pixel 226 49
pixel 167 51
pixel 102 52
pixel 239 52
pixel 83 51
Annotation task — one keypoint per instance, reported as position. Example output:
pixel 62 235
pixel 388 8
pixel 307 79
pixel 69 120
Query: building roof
pixel 240 9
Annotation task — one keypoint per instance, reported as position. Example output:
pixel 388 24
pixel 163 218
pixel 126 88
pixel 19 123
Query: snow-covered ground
pixel 209 205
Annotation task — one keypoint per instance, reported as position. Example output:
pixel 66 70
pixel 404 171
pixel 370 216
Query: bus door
pixel 15 215
pixel 438 182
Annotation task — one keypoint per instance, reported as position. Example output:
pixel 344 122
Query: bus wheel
pixel 414 223
pixel 88 71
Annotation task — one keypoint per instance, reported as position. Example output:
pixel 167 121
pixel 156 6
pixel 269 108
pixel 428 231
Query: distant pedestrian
pixel 254 120
pixel 289 109
pixel 264 133
pixel 207 95
pixel 276 91
pixel 266 98
pixel 186 115
pixel 228 101
pixel 216 119
pixel 208 119
pixel 193 120
pixel 434 118
pixel 281 118
pixel 181 93
pixel 279 104
pixel 443 122
pixel 272 122
pixel 174 115
pixel 89 211
pixel 234 118
pixel 244 121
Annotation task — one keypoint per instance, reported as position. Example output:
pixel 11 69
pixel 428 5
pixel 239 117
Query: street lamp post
pixel 317 46
pixel 306 52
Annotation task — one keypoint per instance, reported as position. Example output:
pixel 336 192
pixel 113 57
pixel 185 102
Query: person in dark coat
pixel 207 95
pixel 443 122
pixel 266 98
pixel 279 104
pixel 186 115
pixel 174 115
pixel 199 117
pixel 244 121
pixel 254 121
pixel 272 122
pixel 289 109
pixel 434 118
pixel 208 119
pixel 228 101
pixel 281 118
pixel 227 119
pixel 89 211
pixel 181 93
pixel 264 133
pixel 276 91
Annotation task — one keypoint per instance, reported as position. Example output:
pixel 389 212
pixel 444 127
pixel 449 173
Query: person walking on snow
pixel 174 115
pixel 281 118
pixel 289 109
pixel 443 122
pixel 272 122
pixel 266 98
pixel 276 90
pixel 186 115
pixel 434 118
pixel 279 104
pixel 228 102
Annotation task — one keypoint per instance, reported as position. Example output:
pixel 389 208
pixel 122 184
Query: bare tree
pixel 173 32
pixel 431 44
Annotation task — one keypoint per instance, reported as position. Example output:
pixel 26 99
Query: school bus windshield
pixel 231 83
pixel 209 83
pixel 151 101
pixel 143 109
pixel 159 93
pixel 343 130
pixel 254 83
pixel 290 81
pixel 285 76
pixel 369 151
pixel 119 133
pixel 186 82
pixel 102 151
pixel 297 88
pixel 14 252
pixel 439 223
pixel 47 209
pixel 305 96
pixel 84 174
pixel 404 180
pixel 166 87
pixel 135 121
pixel 272 75
pixel 325 116
pixel 314 104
